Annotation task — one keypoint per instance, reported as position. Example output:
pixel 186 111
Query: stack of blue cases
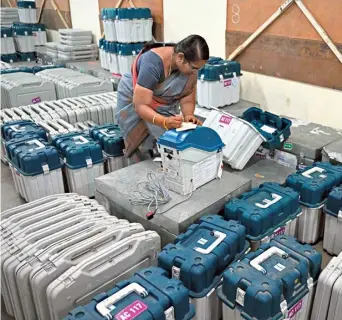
pixel 265 211
pixel 313 185
pixel 275 282
pixel 199 257
pixel 148 295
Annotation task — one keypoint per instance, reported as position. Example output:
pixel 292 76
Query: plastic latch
pixel 283 307
pixel 221 78
pixel 202 77
pixel 170 314
pixel 339 216
pixel 175 272
pixel 89 162
pixel 45 168
pixel 240 297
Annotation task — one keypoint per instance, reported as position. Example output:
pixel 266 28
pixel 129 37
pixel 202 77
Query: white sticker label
pixel 268 129
pixel 279 267
pixel 206 170
pixel 202 241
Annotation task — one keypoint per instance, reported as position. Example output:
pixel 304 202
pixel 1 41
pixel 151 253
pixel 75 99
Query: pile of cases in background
pixel 75 44
pixel 72 252
pixel 37 154
pixel 70 83
pixel 125 30
pixel 23 88
pixel 8 16
pixel 99 108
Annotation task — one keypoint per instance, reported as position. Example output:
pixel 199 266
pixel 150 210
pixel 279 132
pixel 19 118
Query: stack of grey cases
pixel 308 141
pixel 328 299
pixel 70 83
pixel 59 251
pixel 23 88
pixel 75 44
pixel 8 16
pixel 99 109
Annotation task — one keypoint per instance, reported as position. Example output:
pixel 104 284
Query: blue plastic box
pixel 266 211
pixel 83 159
pixel 78 148
pixel 274 128
pixel 149 295
pixel 275 282
pixel 315 182
pixel 203 252
pixel 110 138
pixel 16 129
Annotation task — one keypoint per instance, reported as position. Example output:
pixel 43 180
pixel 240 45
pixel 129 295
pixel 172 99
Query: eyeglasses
pixel 192 67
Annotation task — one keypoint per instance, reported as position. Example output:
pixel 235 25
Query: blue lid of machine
pixel 109 13
pixel 203 252
pixel 256 286
pixel 34 156
pixel 14 129
pixel 9 58
pixel 110 138
pixel 134 13
pixel 14 70
pixel 202 138
pixel 334 202
pixel 149 294
pixel 129 49
pixel 27 56
pixel 37 26
pixel 78 149
pixel 26 4
pixel 6 32
pixel 264 209
pixel 273 128
pixel 22 30
pixel 217 69
pixel 315 182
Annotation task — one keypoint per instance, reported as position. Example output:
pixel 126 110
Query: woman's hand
pixel 193 119
pixel 173 122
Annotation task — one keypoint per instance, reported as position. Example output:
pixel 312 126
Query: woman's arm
pixel 142 99
pixel 188 105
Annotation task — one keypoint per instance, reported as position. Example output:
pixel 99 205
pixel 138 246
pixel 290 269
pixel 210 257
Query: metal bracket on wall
pixel 55 7
pixel 275 16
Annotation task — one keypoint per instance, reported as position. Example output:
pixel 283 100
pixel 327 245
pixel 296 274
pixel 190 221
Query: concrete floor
pixel 10 198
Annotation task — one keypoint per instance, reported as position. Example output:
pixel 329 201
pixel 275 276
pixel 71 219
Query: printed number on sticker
pixel 295 309
pixel 131 311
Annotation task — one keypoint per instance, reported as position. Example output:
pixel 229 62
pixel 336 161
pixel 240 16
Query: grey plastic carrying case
pixel 329 292
pixel 101 272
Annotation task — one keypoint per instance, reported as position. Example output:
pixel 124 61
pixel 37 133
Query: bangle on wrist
pixel 164 123
pixel 154 118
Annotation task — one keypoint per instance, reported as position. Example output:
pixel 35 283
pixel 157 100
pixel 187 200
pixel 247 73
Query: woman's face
pixel 187 67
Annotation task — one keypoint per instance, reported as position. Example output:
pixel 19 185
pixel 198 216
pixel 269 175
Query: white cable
pixel 154 192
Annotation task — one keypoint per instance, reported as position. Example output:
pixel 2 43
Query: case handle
pixel 308 173
pixel 80 140
pixel 267 202
pixel 17 128
pixel 109 132
pixel 255 263
pixel 37 143
pixel 220 237
pixel 106 306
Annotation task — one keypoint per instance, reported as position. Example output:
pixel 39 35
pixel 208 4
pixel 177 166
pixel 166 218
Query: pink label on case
pixel 36 100
pixel 131 311
pixel 225 119
pixel 227 83
pixel 279 232
pixel 295 309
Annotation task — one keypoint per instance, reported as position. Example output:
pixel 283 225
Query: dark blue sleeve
pixel 150 70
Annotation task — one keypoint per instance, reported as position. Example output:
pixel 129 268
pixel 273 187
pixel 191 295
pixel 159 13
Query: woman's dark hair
pixel 193 47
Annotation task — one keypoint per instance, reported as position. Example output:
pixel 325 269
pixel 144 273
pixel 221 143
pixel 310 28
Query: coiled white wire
pixel 154 192
pixel 151 193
